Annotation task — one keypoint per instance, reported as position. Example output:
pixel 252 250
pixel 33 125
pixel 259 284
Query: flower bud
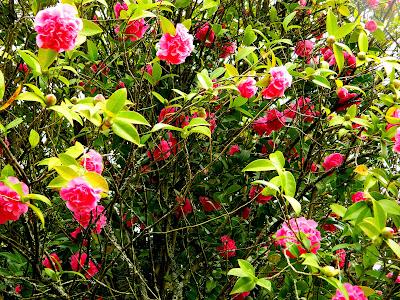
pixel 361 55
pixel 74 100
pixel 387 232
pixel 99 98
pixel 330 40
pixel 106 125
pixel 329 271
pixel 324 65
pixel 50 99
pixel 396 84
pixel 347 118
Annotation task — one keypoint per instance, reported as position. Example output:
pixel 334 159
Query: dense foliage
pixel 213 149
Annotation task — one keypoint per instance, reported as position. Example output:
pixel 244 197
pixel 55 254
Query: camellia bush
pixel 210 149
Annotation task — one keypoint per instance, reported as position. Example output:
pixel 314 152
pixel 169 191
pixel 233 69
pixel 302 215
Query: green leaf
pixel 157 71
pixel 67 160
pixel 244 52
pixel 277 159
pixel 331 23
pixel 321 81
pixel 160 98
pixel 338 209
pixel 66 172
pixel 46 57
pixel 182 3
pixel 265 283
pixel 247 267
pixel 338 56
pixel 207 4
pixel 116 101
pixel 238 272
pixel 363 41
pixel 187 23
pixel 90 28
pixel 2 85
pixel 390 206
pixel 75 150
pixel 197 122
pixel 14 123
pixel 259 165
pixel 355 210
pixel 167 26
pixel 38 212
pixel 243 284
pixel 202 130
pixel 231 71
pixel 96 181
pixel 160 126
pixel 294 203
pixel 288 183
pixel 126 131
pixel 29 96
pixel 204 79
pixel 345 30
pixel 394 246
pixel 131 117
pixel 310 259
pixel 369 227
pixel 249 36
pixel 379 215
pixel 39 198
pixel 92 50
pixel 31 60
pixel 7 171
pixel 34 138
pixel 288 19
pixel 57 183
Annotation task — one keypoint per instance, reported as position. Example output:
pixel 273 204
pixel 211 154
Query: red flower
pixel 184 207
pixel 273 121
pixel 234 149
pixel 329 227
pixel 241 296
pixel 18 289
pixel 120 85
pixel 332 161
pixel 161 152
pixel 371 26
pixel 304 48
pixel 55 260
pixel 208 204
pixel 80 260
pixel 246 212
pixel 303 107
pixel 255 193
pixel 228 248
pixel 135 29
pixel 228 49
pixel 23 68
pixel 358 196
pixel 280 81
pixel 205 34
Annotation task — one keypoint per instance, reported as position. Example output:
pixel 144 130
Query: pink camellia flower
pixel 341 258
pixel 118 7
pixel 290 234
pixel 55 261
pixel 247 87
pixel 208 204
pixel 23 68
pixel 332 161
pixel 80 196
pixel 373 3
pixel 246 213
pixel 390 275
pixel 358 196
pixel 346 99
pixel 328 56
pixel 241 296
pixel 205 34
pixel 92 162
pixel 149 69
pixel 354 292
pixel 161 152
pixel 120 85
pixel 255 193
pixel 57 27
pixel 81 261
pixel 280 81
pixel 274 120
pixel 166 115
pixel 228 49
pixel 395 114
pixel 11 207
pixel 234 149
pixel 184 207
pixel 303 3
pixel 396 147
pixel 97 215
pixel 371 26
pixel 135 29
pixel 18 289
pixel 304 48
pixel 304 108
pixel 228 248
pixel 74 234
pixel 175 48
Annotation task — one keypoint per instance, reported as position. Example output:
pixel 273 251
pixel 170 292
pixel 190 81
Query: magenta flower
pixel 234 149
pixel 92 162
pixel 371 26
pixel 79 261
pixel 57 27
pixel 228 248
pixel 55 260
pixel 175 48
pixel 205 34
pixel 354 292
pixel 247 87
pixel 228 49
pixel 332 161
pixel 118 7
pixel 280 81
pixel 96 215
pixel 304 48
pixel 135 29
pixel 11 207
pixel 273 121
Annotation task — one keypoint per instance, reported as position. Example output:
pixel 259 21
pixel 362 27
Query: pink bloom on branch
pixel 149 69
pixel 304 48
pixel 208 204
pixel 341 258
pixel 57 27
pixel 371 26
pixel 161 152
pixel 255 193
pixel 205 34
pixel 246 213
pixel 332 161
pixel 118 7
pixel 304 108
pixel 296 230
pixel 241 296
pixel 358 196
pixel 174 49
pixel 280 81
pixel 79 261
pixel 354 292
pixel 274 120
pixel 303 3
pixel 247 87
pixel 18 289
pixel 228 49
pixel 184 207
pixel 373 3
pixel 23 68
pixel 234 149
pixel 396 147
pixel 80 196
pixel 228 248
pixel 55 261
pixel 92 162
pixel 96 215
pixel 135 29
pixel 11 207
